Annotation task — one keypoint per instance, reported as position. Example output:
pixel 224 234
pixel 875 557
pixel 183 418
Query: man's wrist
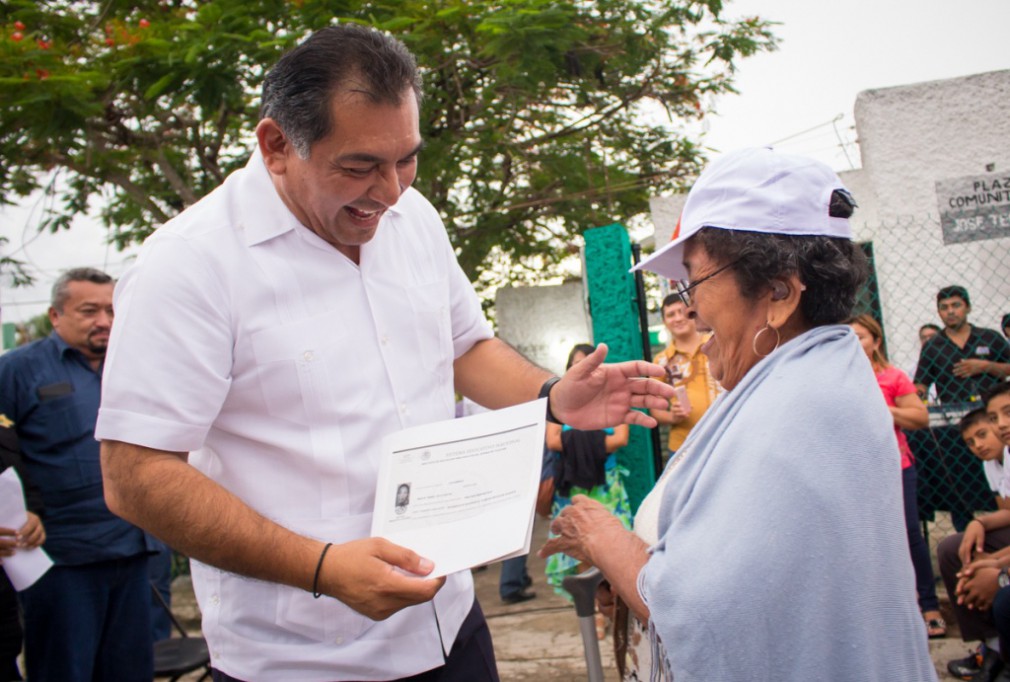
pixel 545 392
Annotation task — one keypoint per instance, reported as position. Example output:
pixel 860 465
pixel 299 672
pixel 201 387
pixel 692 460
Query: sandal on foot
pixel 936 628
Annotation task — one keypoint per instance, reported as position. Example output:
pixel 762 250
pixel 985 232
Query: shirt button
pixel 215 600
pixel 339 640
pixel 384 340
pixel 308 355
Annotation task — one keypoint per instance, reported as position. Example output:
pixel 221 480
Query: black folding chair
pixel 176 656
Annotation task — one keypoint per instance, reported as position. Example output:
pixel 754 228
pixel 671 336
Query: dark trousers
pixel 159 570
pixel 514 576
pixel 975 625
pixel 10 631
pixel 471 658
pixel 90 622
pixel 1001 619
pixel 925 582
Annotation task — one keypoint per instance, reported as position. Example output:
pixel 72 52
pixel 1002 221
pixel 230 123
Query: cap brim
pixel 668 261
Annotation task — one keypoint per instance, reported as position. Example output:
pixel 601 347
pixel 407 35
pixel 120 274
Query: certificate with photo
pixel 462 492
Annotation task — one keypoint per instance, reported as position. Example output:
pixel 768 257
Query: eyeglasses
pixel 683 289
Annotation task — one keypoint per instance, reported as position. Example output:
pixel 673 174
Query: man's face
pixel 998 411
pixel 925 334
pixel 675 319
pixel 953 312
pixel 982 440
pixel 86 319
pixel 355 173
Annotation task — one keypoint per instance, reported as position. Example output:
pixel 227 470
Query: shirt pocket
pixel 62 425
pixel 430 304
pixel 306 370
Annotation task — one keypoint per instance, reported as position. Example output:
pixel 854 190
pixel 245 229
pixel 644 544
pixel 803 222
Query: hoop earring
pixel 754 343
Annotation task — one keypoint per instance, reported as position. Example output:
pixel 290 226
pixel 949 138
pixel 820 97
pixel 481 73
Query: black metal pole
pixel 643 323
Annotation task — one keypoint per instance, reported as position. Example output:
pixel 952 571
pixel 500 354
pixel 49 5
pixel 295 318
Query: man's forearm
pixel 495 375
pixel 160 492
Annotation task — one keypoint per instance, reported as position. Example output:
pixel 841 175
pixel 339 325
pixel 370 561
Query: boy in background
pixel 973 563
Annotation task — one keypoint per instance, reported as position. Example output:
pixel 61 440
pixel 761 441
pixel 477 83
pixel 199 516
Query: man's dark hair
pixel 60 288
pixel 1002 388
pixel 974 417
pixel 930 325
pixel 298 91
pixel 670 299
pixel 954 290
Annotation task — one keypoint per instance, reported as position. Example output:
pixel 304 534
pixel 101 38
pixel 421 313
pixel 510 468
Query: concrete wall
pixel 910 137
pixel 543 323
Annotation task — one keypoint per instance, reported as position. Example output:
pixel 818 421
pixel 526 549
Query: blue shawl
pixel 782 552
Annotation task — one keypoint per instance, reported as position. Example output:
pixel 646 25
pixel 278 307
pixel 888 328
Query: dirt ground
pixel 539 640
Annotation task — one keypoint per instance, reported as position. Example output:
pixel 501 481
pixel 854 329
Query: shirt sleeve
pixel 168 369
pixel 1001 348
pixel 902 384
pixel 925 369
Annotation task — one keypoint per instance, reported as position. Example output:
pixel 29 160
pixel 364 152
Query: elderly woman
pixel 773 545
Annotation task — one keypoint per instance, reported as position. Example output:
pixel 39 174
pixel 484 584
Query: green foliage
pixel 38 327
pixel 534 110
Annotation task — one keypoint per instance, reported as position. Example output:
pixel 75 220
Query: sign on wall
pixel 974 208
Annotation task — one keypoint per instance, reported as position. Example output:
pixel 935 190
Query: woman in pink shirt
pixel 908 412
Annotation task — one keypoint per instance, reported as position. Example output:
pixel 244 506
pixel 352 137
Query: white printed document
pixel 462 492
pixel 26 565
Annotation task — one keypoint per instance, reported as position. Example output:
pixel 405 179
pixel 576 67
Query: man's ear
pixel 784 300
pixel 274 146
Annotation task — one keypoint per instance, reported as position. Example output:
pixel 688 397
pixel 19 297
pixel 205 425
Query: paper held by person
pixel 26 565
pixel 462 492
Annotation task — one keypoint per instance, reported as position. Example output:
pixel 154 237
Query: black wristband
pixel 315 581
pixel 545 392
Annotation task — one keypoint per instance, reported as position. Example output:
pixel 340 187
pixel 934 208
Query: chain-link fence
pixel 910 264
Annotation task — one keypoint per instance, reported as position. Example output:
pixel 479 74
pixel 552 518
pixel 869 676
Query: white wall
pixel 910 137
pixel 543 323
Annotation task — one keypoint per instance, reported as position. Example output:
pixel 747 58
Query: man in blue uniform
pixel 88 617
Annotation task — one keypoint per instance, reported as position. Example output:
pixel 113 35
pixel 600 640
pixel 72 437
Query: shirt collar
pixel 64 349
pixel 263 215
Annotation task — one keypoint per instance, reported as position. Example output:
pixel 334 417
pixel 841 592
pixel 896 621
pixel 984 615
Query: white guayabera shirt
pixel 243 337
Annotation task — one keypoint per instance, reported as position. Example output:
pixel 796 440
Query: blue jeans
pixel 90 622
pixel 925 581
pixel 514 577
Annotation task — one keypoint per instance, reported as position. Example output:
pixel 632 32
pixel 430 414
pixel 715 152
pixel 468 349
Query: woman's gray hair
pixel 831 268
pixel 298 92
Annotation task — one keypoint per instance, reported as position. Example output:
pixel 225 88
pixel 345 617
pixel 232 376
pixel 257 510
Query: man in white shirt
pixel 277 330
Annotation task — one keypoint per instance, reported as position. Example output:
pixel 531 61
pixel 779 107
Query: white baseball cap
pixel 754 190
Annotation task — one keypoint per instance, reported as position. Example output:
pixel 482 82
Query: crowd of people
pixel 270 335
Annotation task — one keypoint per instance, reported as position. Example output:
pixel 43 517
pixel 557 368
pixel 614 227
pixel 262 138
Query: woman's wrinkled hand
pixel 580 528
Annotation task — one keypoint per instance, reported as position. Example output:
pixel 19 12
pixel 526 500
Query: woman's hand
pixel 580 529
pixel 606 599
pixel 972 541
